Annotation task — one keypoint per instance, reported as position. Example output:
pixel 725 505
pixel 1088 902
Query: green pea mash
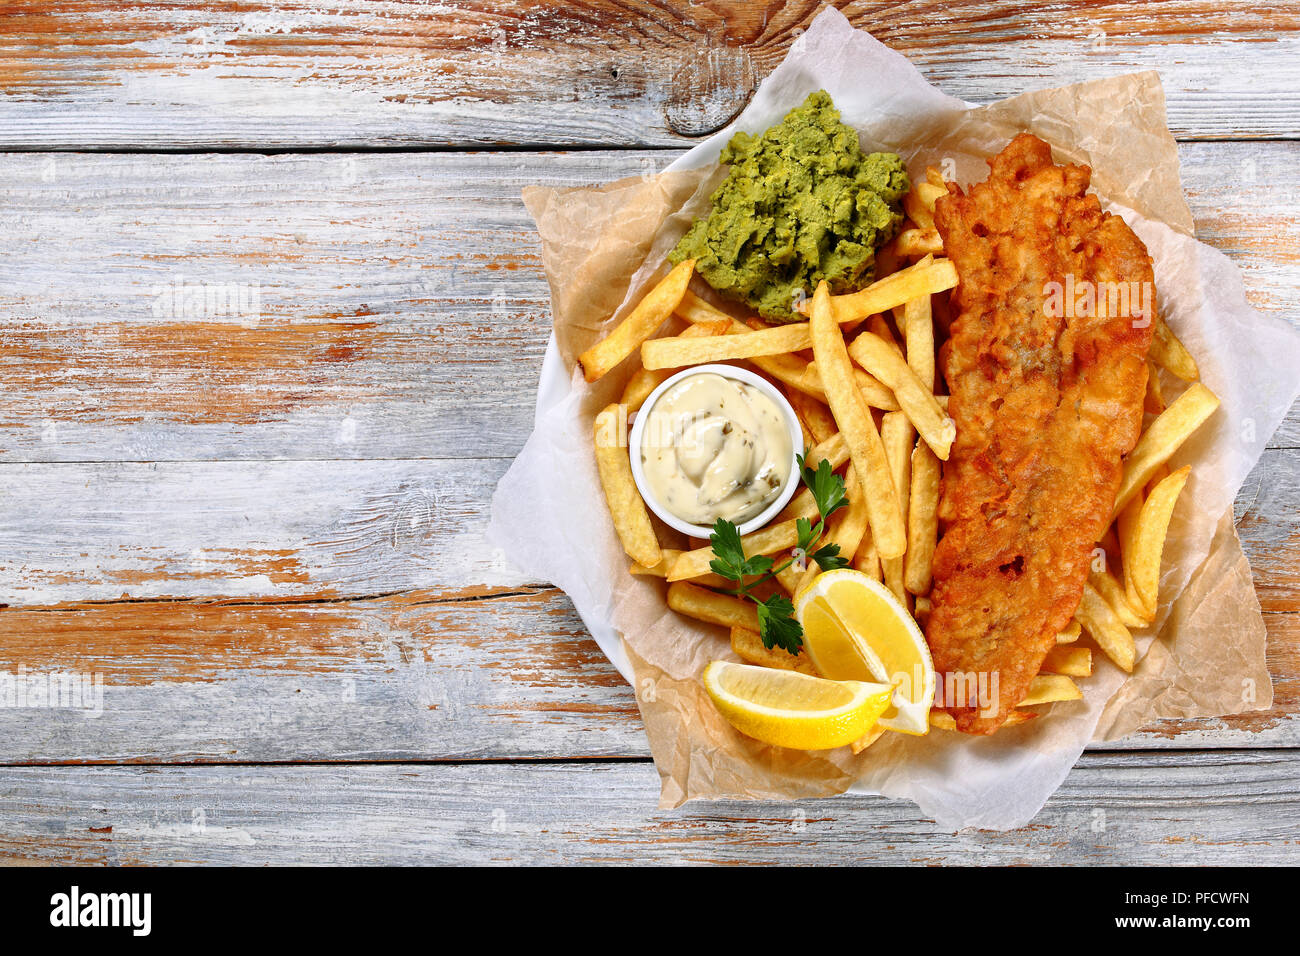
pixel 802 203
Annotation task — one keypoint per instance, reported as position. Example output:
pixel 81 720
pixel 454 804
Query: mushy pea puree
pixel 802 203
pixel 715 448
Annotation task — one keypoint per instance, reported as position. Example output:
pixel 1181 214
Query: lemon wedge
pixel 794 710
pixel 855 630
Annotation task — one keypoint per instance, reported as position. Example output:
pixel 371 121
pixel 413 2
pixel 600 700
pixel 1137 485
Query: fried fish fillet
pixel 1047 382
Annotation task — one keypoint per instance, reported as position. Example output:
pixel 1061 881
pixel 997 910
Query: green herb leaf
pixel 827 488
pixel 730 560
pixel 807 536
pixel 777 626
pixel 828 558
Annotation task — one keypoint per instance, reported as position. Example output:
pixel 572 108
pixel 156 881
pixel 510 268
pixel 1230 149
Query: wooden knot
pixel 708 90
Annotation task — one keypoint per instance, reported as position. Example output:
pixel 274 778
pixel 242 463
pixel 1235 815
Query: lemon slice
pixel 794 710
pixel 855 630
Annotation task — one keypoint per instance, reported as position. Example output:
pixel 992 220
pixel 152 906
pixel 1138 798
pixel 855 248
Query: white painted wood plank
pixel 401 307
pixel 265 530
pixel 482 674
pixel 1118 809
pixel 264 75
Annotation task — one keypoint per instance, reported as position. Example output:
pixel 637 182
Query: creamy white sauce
pixel 714 447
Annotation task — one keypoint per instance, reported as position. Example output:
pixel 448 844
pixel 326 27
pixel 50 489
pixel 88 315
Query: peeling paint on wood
pixel 407 73
pixel 1120 809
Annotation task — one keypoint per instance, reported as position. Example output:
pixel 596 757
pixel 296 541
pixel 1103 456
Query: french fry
pixel 921 214
pixel 1108 586
pixel 1048 688
pixel 929 192
pixel 847 529
pixel 867 739
pixel 661 570
pixel 921 610
pixel 1164 437
pixel 833 450
pixel 1070 634
pixel 803 429
pixel 631 520
pixel 1142 563
pixel 935 178
pixel 682 350
pixel 815 416
pixel 749 648
pixel 923 278
pixel 848 526
pixel 640 324
pixel 644 380
pixel 867 560
pixel 1169 353
pixel 922 520
pixel 1069 660
pixel 873 392
pixel 918 242
pixel 1160 475
pixel 712 608
pixel 859 431
pixel 878 326
pixel 1154 402
pixel 942 720
pixel 917 401
pixel 1105 627
pixel 1126 526
pixel 775 537
pixel 790 370
pixel 790 578
pixel 898 437
pixel 699 312
pixel 918 335
pixel 887 263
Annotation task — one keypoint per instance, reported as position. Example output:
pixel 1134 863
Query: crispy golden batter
pixel 1046 404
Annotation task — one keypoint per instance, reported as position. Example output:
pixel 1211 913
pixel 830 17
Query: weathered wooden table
pixel 257 509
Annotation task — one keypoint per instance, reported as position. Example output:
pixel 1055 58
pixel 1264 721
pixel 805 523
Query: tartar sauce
pixel 715 447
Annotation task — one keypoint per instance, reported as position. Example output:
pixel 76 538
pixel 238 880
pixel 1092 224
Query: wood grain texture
pixel 472 673
pixel 195 73
pixel 351 610
pixel 1183 808
pixel 396 304
pixel 501 674
pixel 269 530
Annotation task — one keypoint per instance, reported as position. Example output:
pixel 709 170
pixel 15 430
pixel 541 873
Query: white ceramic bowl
pixel 740 375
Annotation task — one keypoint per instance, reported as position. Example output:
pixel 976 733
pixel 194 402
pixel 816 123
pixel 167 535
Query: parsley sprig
pixel 776 623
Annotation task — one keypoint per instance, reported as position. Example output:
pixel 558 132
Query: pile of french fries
pixel 861 377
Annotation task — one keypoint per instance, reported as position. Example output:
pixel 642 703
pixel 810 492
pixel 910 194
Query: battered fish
pixel 1047 384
